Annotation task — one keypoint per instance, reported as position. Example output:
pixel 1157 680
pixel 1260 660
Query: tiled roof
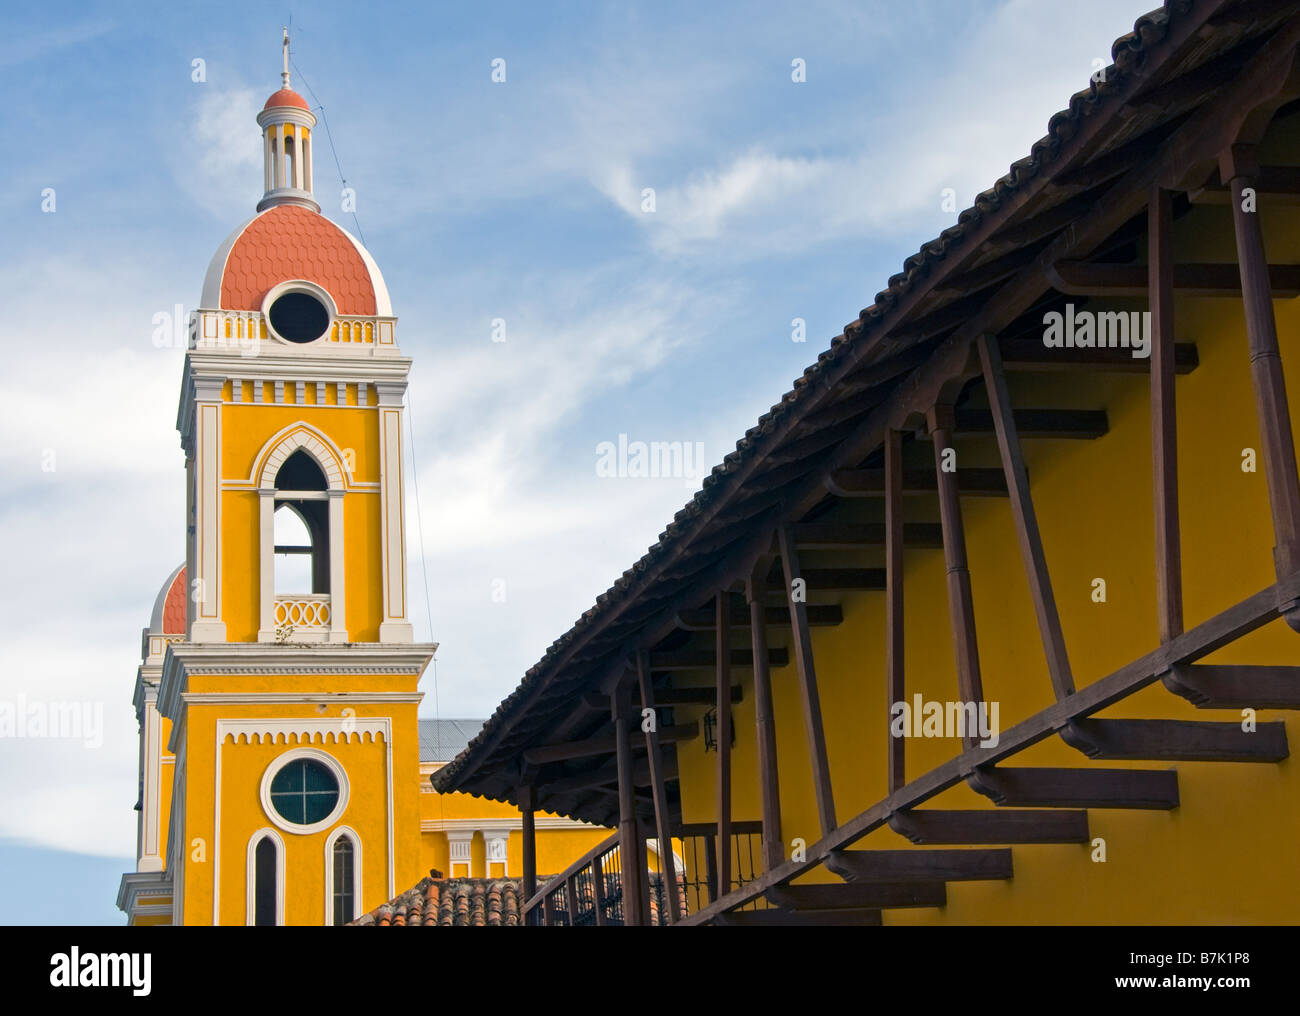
pixel 1090 128
pixel 289 242
pixel 286 97
pixel 438 902
pixel 174 606
pixel 443 740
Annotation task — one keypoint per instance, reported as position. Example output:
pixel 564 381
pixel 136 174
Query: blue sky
pixel 518 200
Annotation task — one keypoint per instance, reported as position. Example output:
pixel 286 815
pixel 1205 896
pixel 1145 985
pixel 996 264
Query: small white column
pixel 459 852
pixel 266 559
pixel 338 577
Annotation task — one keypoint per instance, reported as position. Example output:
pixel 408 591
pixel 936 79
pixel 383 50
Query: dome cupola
pixel 287 123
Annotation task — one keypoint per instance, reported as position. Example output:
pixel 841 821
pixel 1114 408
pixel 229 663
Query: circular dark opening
pixel 304 791
pixel 299 317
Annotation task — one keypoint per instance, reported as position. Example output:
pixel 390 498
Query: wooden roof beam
pixel 1031 356
pixel 606 745
pixel 701 619
pixel 975 482
pixel 671 696
pixel 1278 185
pixel 859 895
pixel 1236 687
pixel 1177 740
pixel 1037 825
pixel 854 535
pixel 1084 278
pixel 1155 790
pixel 1077 424
pixel 921 865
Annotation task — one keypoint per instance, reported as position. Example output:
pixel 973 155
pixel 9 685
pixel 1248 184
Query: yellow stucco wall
pixel 242 766
pixel 556 848
pixel 1229 852
pixel 245 430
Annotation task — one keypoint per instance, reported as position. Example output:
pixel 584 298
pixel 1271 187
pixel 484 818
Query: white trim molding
pixel 250 877
pixel 333 838
pixel 306 730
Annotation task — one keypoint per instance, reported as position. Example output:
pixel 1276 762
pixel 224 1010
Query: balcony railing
pixel 303 613
pixel 590 891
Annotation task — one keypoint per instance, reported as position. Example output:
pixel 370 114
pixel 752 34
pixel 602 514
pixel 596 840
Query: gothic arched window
pixel 301 527
pixel 344 892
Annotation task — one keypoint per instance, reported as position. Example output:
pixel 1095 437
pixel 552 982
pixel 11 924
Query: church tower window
pixel 344 891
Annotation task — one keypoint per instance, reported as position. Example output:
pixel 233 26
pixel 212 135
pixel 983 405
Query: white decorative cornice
pixel 184 659
pixel 305 730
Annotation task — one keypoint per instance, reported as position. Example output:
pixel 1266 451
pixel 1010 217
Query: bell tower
pixel 291 699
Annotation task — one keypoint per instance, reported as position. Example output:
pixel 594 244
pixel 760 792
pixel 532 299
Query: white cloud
pixel 220 166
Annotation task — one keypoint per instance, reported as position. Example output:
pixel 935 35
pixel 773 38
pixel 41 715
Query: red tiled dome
pixel 287 97
pixel 173 617
pixel 291 242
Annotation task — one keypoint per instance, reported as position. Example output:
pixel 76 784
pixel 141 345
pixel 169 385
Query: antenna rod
pixel 284 74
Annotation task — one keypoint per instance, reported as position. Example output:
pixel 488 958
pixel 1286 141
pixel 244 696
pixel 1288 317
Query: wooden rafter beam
pixel 703 619
pixel 859 895
pixel 1031 356
pixel 1039 825
pixel 706 659
pixel 667 697
pixel 1042 787
pixel 1072 424
pixel 607 745
pixel 799 918
pixel 1083 278
pixel 1028 537
pixel 1236 687
pixel 921 865
pixel 853 535
pixel 834 580
pixel 608 774
pixel 1278 185
pixel 814 732
pixel 975 482
pixel 1177 740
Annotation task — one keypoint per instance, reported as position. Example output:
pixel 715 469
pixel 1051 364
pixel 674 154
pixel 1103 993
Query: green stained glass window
pixel 304 791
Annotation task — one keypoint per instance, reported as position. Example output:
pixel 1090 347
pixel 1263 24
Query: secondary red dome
pixel 290 242
pixel 287 97
pixel 173 614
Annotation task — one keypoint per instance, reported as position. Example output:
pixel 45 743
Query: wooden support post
pixel 643 868
pixel 1164 430
pixel 894 683
pixel 598 890
pixel 961 607
pixel 765 725
pixel 657 787
pixel 571 899
pixel 527 807
pixel 632 873
pixel 1026 520
pixel 711 867
pixel 812 708
pixel 1237 167
pixel 722 734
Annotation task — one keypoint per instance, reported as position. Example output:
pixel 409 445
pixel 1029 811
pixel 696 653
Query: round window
pixel 304 791
pixel 299 317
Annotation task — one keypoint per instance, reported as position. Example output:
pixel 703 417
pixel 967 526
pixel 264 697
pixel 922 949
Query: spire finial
pixel 284 74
